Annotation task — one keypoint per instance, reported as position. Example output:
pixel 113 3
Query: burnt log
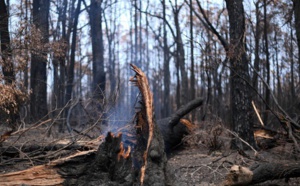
pixel 259 173
pixel 174 128
pixel 173 135
pixel 109 165
pixel 175 118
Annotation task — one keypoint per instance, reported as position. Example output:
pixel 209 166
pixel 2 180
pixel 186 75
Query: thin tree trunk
pixel 26 77
pixel 279 94
pixel 62 62
pixel 267 91
pixel 180 57
pixel 292 86
pixel 192 85
pixel 296 4
pixel 70 74
pixel 136 60
pixel 110 35
pixel 256 49
pixel 140 38
pixel 166 98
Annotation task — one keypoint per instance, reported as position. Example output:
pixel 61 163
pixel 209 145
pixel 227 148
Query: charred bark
pixel 296 8
pixel 99 78
pixel 240 91
pixel 38 75
pixel 153 169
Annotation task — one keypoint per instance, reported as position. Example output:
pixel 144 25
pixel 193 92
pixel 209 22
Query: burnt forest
pixel 149 92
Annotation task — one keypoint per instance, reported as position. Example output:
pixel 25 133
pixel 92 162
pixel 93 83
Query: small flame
pixel 127 154
pixel 123 153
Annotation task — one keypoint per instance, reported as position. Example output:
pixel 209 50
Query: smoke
pixel 121 111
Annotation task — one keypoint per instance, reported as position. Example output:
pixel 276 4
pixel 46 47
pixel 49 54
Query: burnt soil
pixel 202 160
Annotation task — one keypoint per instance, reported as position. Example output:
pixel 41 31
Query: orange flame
pixel 123 153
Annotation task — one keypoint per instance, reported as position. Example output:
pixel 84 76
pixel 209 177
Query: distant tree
pixel 166 66
pixel 180 57
pixel 111 31
pixel 38 70
pixel 192 84
pixel 266 50
pixel 257 36
pixel 70 74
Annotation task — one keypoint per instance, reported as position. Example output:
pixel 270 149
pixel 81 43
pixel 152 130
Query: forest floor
pixel 196 167
pixel 203 159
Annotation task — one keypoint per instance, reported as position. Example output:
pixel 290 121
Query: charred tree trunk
pixel 99 78
pixel 297 25
pixel 38 75
pixel 151 154
pixel 266 41
pixel 242 122
pixel 256 50
pixel 7 66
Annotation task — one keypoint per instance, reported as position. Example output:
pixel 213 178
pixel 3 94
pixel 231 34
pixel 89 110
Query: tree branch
pixel 174 119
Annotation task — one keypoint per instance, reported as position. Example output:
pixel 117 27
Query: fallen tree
pixel 174 128
pixel 259 173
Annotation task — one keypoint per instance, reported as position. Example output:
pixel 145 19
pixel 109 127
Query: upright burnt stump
pixel 112 165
